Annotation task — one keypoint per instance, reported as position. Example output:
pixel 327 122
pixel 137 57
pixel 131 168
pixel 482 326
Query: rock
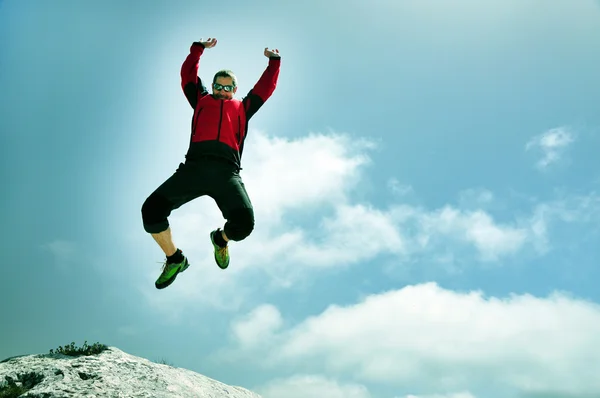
pixel 111 373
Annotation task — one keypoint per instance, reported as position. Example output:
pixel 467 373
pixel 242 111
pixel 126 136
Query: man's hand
pixel 271 53
pixel 210 43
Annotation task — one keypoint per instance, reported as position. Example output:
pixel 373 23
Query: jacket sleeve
pixel 190 82
pixel 263 89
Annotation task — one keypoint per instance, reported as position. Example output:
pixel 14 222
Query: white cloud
pixel 477 228
pixel 302 190
pixel 552 144
pixel 61 248
pixel 63 251
pixel 398 188
pixel 474 198
pixel 568 209
pixel 302 177
pixel 354 234
pixel 316 170
pixel 257 327
pixel 309 386
pixel 441 340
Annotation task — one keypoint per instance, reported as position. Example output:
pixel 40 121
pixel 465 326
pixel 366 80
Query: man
pixel 213 161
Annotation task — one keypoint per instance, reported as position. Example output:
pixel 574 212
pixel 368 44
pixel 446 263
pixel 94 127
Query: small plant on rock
pixel 163 361
pixel 73 351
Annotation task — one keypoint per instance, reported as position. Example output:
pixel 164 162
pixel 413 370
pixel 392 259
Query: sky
pixel 425 182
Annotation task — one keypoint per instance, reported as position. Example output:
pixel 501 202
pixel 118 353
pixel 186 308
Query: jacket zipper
pixel 239 134
pixel 195 120
pixel 220 121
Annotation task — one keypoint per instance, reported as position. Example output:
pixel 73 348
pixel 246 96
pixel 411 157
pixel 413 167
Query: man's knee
pixel 240 224
pixel 155 210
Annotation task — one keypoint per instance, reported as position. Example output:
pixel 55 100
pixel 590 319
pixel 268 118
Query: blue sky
pixel 425 179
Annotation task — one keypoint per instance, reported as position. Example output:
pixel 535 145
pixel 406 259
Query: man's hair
pixel 225 73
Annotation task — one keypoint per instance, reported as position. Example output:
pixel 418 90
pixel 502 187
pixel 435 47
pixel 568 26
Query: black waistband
pixel 217 158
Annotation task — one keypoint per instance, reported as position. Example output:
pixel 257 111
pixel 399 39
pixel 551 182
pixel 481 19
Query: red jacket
pixel 219 127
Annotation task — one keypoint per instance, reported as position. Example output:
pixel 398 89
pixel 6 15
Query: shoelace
pixel 222 251
pixel 163 265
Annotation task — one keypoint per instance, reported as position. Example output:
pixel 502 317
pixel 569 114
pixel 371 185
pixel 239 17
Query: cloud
pixel 442 340
pixel 302 174
pixel 568 209
pixel 63 251
pixel 476 228
pixel 257 326
pixel 302 179
pixel 475 198
pixel 309 386
pixel 552 144
pixel 398 188
pixel 307 219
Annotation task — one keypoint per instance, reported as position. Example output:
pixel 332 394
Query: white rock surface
pixel 112 373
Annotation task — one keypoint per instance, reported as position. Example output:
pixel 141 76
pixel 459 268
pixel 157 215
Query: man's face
pixel 223 88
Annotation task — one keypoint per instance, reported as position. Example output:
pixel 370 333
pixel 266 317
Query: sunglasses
pixel 218 87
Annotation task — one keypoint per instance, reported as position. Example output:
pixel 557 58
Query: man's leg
pixel 174 192
pixel 155 212
pixel 177 190
pixel 165 241
pixel 236 207
pixel 224 236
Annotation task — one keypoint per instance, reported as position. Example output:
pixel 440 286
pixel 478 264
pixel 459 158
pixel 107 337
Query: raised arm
pixel 190 83
pixel 265 86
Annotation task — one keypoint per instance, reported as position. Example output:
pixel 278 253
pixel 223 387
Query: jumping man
pixel 213 160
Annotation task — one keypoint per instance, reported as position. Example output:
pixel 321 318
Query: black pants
pixel 215 178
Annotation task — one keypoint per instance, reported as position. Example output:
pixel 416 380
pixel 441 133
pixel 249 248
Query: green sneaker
pixel 169 273
pixel 221 253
